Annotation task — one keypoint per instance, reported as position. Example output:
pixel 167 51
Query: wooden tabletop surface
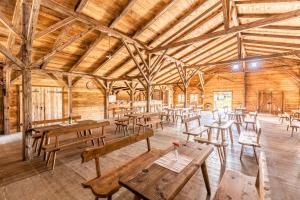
pixel 56 126
pixel 157 182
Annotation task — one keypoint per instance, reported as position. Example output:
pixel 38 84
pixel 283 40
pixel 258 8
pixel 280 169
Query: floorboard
pixel 32 180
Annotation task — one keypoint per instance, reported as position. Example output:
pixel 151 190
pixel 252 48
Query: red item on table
pixel 176 143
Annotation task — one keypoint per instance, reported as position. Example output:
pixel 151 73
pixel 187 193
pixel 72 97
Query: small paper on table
pixel 169 161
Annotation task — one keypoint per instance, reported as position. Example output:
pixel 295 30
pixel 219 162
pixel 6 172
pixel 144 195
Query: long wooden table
pixel 45 129
pixel 159 183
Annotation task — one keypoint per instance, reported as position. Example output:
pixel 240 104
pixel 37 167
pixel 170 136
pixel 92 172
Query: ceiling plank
pixel 233 30
pixel 54 27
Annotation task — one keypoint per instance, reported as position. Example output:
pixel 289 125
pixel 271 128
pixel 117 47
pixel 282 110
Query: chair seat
pixel 249 120
pixel 196 131
pixel 248 138
pixel 236 186
pixel 213 142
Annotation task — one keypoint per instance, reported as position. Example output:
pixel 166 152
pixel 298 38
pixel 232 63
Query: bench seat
pixel 216 143
pixel 108 184
pixel 72 141
pixel 232 180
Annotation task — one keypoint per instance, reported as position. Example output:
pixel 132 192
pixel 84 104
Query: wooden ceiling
pixel 85 36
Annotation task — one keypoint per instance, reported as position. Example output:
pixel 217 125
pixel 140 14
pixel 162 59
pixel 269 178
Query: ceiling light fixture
pixel 236 67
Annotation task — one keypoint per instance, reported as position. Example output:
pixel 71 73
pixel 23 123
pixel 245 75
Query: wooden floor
pixel 32 180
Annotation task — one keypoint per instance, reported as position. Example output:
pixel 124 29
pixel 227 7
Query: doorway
pixel 222 99
pixel 270 101
pixel 47 103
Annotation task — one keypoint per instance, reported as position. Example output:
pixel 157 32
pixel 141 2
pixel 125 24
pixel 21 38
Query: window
pixel 222 99
pixel 194 98
pixel 180 98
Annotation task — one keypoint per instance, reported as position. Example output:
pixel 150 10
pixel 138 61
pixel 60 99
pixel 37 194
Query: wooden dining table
pixel 43 130
pixel 222 128
pixel 159 183
pixel 134 117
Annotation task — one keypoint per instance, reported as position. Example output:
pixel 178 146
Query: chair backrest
pixel 187 120
pixel 215 112
pixel 262 181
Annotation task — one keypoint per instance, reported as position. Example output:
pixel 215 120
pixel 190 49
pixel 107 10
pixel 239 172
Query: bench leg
pixel 187 138
pixel 231 135
pixel 254 152
pixel 246 126
pixel 161 124
pixel 205 177
pixel 253 125
pixel 292 132
pixel 220 155
pixel 242 150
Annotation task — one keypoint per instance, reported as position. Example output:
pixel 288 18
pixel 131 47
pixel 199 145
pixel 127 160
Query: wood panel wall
pixel 231 82
pixel 255 82
pixel 191 90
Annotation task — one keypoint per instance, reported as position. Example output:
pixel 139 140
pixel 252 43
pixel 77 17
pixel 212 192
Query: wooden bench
pixel 195 131
pixel 104 186
pixel 84 135
pixel 150 120
pixel 236 186
pixel 251 138
pixel 37 136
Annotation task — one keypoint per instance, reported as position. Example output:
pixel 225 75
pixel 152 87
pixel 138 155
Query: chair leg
pixel 242 151
pixel 139 129
pixel 48 158
pixel 54 159
pixel 292 132
pixel 187 138
pixel 161 124
pixel 220 155
pixel 246 126
pixel 253 125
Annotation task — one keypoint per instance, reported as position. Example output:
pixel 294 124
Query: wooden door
pixel 270 101
pixel 46 103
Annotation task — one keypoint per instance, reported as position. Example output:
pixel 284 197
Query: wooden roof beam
pixel 233 30
pixel 67 11
pixel 251 58
pixel 8 24
pixel 226 13
pixel 54 27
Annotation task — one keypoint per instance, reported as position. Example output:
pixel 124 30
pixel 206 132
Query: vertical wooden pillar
pixel 106 102
pixel 185 95
pixel 70 98
pixel 131 98
pixel 6 86
pixel 26 82
pixel 148 97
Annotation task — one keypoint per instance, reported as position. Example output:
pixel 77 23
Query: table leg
pixel 205 177
pixel 133 126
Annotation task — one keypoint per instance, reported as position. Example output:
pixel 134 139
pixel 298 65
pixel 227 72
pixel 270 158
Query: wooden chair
pixel 51 148
pixel 293 123
pixel 37 136
pixel 196 130
pixel 251 138
pixel 251 119
pixel 105 185
pixel 236 186
pixel 122 122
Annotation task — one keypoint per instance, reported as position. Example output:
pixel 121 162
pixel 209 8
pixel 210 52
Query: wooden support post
pixel 185 95
pixel 70 99
pixel 106 102
pixel 30 12
pixel 148 96
pixel 6 86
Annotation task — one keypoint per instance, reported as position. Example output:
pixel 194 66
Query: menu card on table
pixel 169 161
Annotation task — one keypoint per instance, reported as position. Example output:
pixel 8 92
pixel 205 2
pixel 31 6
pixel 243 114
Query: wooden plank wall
pixel 191 90
pixel 272 81
pixel 255 82
pixel 1 104
pixel 231 82
pixel 86 102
